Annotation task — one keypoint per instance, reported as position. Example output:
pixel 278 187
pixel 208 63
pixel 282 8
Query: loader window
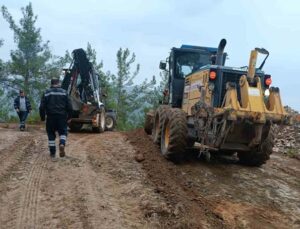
pixel 189 62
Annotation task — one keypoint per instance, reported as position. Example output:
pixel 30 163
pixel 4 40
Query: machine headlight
pixel 267 92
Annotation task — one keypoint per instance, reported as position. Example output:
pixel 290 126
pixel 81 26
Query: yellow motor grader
pixel 218 109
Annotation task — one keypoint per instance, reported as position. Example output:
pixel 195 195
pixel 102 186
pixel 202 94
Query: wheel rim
pixel 109 122
pixel 167 136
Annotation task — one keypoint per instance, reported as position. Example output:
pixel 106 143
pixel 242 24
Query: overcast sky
pixel 151 28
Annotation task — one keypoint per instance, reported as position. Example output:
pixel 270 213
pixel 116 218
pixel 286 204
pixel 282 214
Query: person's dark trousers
pixel 22 116
pixel 56 123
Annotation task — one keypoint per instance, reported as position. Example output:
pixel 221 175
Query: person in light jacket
pixel 23 108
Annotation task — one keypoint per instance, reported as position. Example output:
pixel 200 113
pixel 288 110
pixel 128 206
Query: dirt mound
pixel 288 137
pixel 287 140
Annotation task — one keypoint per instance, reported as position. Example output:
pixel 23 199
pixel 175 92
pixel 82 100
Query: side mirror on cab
pixel 162 65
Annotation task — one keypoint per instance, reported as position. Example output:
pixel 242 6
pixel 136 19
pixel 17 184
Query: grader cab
pixel 219 109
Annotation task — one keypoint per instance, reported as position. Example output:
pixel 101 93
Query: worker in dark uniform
pixel 57 109
pixel 23 108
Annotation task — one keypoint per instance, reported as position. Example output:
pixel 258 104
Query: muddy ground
pixel 101 184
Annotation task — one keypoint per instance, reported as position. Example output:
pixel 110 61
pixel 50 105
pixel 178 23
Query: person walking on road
pixel 23 108
pixel 56 108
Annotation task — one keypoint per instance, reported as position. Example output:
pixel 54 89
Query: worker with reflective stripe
pixel 56 106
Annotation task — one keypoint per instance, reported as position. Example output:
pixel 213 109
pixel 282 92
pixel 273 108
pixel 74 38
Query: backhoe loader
pixel 86 95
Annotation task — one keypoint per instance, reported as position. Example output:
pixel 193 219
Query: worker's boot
pixel 62 150
pixel 52 156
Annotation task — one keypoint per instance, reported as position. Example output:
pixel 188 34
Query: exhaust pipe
pixel 219 61
pixel 220 52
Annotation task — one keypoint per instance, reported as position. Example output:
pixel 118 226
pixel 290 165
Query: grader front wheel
pixel 159 118
pixel 174 134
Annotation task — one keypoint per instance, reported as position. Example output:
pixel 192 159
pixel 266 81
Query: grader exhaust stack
pixel 220 52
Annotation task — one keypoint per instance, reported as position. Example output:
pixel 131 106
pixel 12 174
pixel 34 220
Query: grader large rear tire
pixel 159 117
pixel 174 134
pixel 260 155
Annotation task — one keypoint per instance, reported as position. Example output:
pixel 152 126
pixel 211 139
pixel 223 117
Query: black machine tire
pixel 261 154
pixel 101 124
pixel 110 122
pixel 159 117
pixel 190 142
pixel 75 127
pixel 148 126
pixel 174 137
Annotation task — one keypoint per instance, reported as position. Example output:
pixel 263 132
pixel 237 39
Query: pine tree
pixel 32 64
pixel 4 102
pixel 123 85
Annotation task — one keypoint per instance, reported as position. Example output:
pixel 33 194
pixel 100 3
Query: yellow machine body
pixel 253 103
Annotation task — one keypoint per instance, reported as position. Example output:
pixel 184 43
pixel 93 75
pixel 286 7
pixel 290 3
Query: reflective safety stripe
pixel 55 93
pixel 51 143
pixel 64 137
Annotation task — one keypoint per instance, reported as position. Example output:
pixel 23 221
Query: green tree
pixel 155 96
pixel 32 64
pixel 4 101
pixel 123 86
pixel 146 96
pixel 131 100
pixel 2 66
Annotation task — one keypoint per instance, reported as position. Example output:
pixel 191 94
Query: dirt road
pixel 101 185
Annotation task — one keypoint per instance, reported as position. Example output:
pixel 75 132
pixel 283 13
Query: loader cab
pixel 184 61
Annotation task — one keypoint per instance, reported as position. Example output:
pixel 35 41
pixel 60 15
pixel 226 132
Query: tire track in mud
pixel 82 197
pixel 20 178
pixel 122 190
pixel 97 194
pixel 28 213
pixel 8 158
pixel 82 206
pixel 194 210
pixel 74 186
